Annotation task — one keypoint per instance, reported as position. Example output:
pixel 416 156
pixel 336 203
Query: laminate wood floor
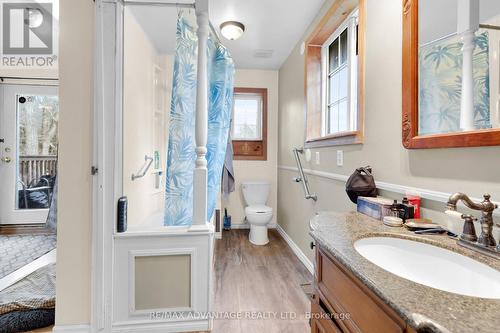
pixel 256 281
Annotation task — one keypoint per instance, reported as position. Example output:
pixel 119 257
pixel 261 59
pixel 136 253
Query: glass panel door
pixel 28 166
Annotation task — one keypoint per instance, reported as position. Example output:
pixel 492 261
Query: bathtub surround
pixel 140 108
pixel 118 287
pixel 470 170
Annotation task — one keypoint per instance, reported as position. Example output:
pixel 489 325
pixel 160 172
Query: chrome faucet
pixel 485 243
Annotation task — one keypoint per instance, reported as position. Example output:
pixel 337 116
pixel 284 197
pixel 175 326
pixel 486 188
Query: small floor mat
pixel 19 250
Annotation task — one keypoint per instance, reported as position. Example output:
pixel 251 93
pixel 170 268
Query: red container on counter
pixel 415 201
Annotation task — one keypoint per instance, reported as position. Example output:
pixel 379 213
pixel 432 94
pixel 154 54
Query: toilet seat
pixel 258 209
pixel 257 214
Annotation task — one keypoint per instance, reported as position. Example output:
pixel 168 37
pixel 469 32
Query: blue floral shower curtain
pixel 181 147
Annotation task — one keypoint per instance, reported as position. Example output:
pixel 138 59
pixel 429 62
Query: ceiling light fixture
pixel 232 30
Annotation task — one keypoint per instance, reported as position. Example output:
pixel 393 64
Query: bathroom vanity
pixel 353 294
pixel 353 306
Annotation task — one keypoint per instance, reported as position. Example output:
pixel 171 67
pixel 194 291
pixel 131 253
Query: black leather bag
pixel 361 184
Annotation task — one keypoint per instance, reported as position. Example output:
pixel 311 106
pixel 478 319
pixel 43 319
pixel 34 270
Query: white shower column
pixel 200 178
pixel 468 24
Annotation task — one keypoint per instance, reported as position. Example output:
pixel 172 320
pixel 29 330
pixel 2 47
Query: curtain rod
pixel 214 31
pixel 2 78
pixel 169 4
pixel 157 3
pixel 489 26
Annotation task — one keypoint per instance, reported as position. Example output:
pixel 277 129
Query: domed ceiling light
pixel 232 30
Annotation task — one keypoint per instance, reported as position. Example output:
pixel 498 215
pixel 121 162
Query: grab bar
pixel 302 179
pixel 142 171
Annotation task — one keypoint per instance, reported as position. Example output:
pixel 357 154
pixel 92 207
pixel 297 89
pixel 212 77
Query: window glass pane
pixel 37 123
pixel 38 119
pixel 334 88
pixel 343 117
pixel 343 47
pixel 333 118
pixel 247 123
pixel 333 51
pixel 343 83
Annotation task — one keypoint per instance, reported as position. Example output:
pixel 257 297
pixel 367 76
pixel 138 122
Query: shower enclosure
pixel 151 278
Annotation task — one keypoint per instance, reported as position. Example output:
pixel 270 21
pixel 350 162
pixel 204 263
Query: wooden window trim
pixel 253 149
pixel 410 92
pixel 334 17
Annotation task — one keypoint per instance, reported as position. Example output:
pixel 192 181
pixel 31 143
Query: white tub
pixel 154 223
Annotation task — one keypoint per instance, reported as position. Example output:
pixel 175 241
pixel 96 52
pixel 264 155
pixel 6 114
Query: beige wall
pixel 75 158
pixel 471 170
pixel 140 59
pixel 258 170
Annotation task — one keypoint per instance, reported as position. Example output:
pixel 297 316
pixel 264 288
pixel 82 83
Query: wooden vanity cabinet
pixel 343 304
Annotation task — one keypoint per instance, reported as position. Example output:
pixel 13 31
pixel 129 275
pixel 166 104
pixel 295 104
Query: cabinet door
pixel 347 295
pixel 316 327
pixel 322 321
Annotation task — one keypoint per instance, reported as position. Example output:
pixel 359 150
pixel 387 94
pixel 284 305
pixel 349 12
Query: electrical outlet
pixel 308 154
pixel 340 158
pixel 317 158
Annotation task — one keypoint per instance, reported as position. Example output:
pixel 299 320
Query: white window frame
pixel 350 23
pixel 259 119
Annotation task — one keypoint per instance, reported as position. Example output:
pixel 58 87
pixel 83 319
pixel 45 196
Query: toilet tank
pixel 255 192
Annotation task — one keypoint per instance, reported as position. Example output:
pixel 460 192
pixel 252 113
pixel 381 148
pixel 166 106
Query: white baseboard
pixel 247 226
pixel 240 226
pixel 166 327
pixel 295 248
pixel 71 329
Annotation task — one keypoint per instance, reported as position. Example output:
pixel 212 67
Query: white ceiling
pixel 271 25
pixel 438 25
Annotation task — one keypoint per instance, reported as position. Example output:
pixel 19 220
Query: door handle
pixel 6 159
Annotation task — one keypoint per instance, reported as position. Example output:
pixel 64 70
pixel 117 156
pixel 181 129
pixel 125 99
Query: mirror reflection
pixel 459 73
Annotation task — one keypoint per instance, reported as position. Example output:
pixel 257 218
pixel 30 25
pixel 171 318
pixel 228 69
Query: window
pixel 249 126
pixel 247 120
pixel 335 78
pixel 339 66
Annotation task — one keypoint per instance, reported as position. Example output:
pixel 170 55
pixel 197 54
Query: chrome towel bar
pixel 302 179
pixel 142 171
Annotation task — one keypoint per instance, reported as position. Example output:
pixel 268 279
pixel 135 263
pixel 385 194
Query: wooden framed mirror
pixel 451 73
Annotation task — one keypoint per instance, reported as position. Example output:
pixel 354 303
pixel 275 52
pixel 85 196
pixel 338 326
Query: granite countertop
pixel 424 308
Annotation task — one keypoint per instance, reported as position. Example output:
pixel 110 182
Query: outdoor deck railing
pixel 33 167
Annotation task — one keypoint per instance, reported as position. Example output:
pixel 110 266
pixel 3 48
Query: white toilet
pixel 257 213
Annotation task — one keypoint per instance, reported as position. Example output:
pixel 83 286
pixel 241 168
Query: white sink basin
pixel 431 266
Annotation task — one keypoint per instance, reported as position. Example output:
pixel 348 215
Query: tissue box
pixel 375 207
